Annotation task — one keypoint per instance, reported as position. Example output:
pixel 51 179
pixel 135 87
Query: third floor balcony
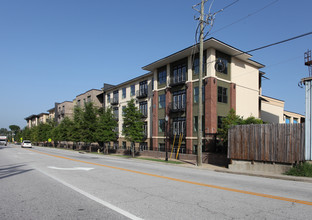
pixel 114 101
pixel 142 93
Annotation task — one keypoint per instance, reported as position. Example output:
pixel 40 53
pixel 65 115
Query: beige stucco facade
pixel 121 94
pixel 272 110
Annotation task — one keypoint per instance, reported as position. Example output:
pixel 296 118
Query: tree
pixel 105 131
pixel 133 124
pixel 89 123
pixel 15 130
pixel 3 131
pixel 231 120
pixel 77 124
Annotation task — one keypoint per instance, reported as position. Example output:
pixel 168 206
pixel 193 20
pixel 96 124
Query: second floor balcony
pixel 177 107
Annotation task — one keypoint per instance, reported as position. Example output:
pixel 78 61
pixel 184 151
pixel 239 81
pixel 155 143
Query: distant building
pixel 272 111
pixel 35 120
pixel 89 96
pixel 62 110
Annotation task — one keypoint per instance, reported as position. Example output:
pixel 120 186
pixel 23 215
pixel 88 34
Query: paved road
pixel 45 183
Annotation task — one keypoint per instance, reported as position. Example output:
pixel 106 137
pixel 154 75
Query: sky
pixel 53 50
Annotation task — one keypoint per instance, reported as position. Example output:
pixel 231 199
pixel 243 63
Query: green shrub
pixel 302 169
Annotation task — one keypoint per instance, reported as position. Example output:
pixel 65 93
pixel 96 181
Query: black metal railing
pixel 114 101
pixel 142 93
pixel 178 80
pixel 177 107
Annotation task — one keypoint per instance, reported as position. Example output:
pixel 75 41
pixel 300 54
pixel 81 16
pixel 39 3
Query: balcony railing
pixel 177 107
pixel 177 133
pixel 114 101
pixel 142 93
pixel 177 80
pixel 144 114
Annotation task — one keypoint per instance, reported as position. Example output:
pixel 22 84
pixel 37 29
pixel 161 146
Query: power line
pixel 243 18
pixel 273 44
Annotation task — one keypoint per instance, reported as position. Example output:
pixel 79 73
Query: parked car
pixel 26 144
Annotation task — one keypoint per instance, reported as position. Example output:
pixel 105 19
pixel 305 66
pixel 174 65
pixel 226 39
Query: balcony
pixel 144 114
pixel 174 132
pixel 175 107
pixel 142 93
pixel 114 101
pixel 177 80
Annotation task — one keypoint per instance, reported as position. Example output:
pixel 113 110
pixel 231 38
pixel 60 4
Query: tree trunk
pixel 132 149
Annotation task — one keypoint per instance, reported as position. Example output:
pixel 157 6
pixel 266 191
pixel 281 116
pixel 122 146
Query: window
pixel 143 108
pixel 143 146
pixel 287 120
pixel 220 121
pixel 162 101
pixel 162 76
pixel 132 88
pixel 161 147
pixel 124 93
pixel 196 64
pixel 116 112
pixel 222 94
pixel 143 88
pixel 178 126
pixel 123 110
pixel 295 120
pixel 89 98
pixel 108 98
pixel 145 129
pixel 196 94
pixel 84 101
pixel 124 145
pixel 195 123
pixel 178 100
pixel 179 73
pixel 222 62
pixel 115 96
pixel 78 102
pixel 161 124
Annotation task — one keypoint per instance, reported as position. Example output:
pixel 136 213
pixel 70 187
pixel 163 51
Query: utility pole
pixel 204 20
pixel 200 86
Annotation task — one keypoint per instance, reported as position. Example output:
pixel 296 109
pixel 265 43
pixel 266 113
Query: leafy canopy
pixel 133 123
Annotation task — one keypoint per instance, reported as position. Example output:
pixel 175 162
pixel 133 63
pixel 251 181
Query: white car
pixel 26 144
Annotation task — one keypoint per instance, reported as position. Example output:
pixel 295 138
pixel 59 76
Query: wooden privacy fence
pixel 283 143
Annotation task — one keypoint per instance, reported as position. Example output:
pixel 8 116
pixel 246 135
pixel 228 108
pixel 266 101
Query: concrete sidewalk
pixel 248 173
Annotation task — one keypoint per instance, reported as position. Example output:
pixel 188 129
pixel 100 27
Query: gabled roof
pixel 209 43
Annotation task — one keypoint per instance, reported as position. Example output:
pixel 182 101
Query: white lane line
pixel 73 168
pixel 98 200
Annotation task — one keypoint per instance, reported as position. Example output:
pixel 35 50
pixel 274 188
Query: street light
pixel 166 133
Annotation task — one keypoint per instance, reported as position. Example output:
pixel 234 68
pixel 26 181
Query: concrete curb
pixel 267 175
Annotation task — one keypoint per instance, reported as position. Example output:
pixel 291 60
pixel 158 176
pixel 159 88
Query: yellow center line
pixel 185 181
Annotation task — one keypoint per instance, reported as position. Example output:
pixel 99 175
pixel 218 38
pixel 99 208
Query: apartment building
pixel 34 120
pixel 62 110
pixel 51 114
pixel 89 96
pixel 117 97
pixel 230 80
pixel 168 95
